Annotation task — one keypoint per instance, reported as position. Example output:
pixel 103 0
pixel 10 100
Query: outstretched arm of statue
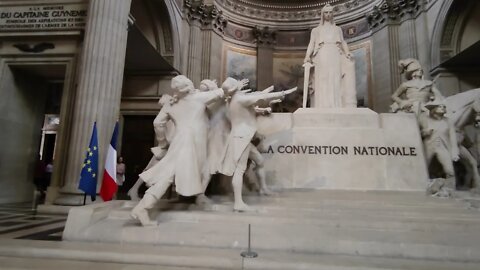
pixel 160 128
pixel 268 90
pixel 210 96
pixel 253 99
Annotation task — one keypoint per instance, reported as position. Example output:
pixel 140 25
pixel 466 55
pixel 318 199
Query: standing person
pixel 39 175
pixel 184 161
pixel 243 118
pixel 48 174
pixel 120 171
pixel 334 67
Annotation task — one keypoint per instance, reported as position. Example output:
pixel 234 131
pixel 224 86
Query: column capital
pixel 205 14
pixel 393 11
pixel 264 36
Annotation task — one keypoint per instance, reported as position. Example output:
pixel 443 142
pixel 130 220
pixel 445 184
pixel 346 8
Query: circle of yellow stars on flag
pixel 88 161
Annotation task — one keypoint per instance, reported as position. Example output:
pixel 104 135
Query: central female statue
pixel 334 75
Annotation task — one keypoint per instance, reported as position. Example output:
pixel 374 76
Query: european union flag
pixel 88 177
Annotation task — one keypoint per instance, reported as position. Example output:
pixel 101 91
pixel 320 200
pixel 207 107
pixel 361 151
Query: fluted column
pixel 99 88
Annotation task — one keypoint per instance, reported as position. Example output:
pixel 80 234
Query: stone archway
pixel 448 30
pixel 158 22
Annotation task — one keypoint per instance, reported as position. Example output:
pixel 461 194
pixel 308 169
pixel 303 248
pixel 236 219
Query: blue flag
pixel 88 177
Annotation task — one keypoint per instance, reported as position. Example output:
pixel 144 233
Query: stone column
pixel 204 20
pixel 99 87
pixel 394 38
pixel 265 39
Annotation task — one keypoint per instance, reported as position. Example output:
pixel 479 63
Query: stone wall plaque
pixel 43 17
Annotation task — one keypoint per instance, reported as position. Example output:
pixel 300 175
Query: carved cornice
pixel 264 36
pixel 292 11
pixel 205 15
pixel 393 11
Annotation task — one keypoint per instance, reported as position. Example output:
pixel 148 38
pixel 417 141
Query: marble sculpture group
pixel 214 126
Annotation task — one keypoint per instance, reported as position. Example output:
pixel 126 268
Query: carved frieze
pixel 287 12
pixel 393 11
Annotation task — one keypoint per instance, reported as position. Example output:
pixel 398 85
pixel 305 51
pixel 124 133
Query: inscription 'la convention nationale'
pixel 343 150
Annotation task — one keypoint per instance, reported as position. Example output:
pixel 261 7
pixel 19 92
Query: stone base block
pixel 335 118
pixel 344 149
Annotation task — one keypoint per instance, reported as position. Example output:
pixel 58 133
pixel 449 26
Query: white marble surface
pixel 344 128
pixel 335 118
pixel 372 224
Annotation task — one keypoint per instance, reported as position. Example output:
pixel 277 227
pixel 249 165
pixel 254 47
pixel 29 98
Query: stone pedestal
pixel 345 149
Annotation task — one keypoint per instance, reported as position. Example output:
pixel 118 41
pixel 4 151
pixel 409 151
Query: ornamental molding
pixel 393 11
pixel 288 13
pixel 204 15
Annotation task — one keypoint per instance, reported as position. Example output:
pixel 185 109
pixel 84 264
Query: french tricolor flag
pixel 109 183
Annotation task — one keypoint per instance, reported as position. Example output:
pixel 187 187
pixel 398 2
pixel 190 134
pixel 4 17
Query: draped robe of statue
pixel 185 161
pixel 334 72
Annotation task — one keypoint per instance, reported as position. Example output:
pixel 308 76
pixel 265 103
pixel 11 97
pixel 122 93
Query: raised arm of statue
pixel 210 96
pixel 268 90
pixel 253 99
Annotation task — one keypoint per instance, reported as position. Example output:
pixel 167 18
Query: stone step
pixel 300 237
pixel 379 224
pixel 264 208
pixel 338 220
pixel 33 255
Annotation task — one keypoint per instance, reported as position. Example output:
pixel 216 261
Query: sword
pixel 306 77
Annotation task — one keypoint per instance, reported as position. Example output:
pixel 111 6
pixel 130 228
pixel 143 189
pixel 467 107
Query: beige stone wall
pixel 21 121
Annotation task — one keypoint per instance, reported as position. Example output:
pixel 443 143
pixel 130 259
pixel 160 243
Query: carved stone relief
pixel 393 11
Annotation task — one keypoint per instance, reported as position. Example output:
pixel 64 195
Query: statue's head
pixel 230 85
pixel 182 85
pixel 208 85
pixel 411 67
pixel 326 14
pixel 436 107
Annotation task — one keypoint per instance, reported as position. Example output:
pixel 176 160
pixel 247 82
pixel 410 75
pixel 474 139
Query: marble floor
pixel 19 221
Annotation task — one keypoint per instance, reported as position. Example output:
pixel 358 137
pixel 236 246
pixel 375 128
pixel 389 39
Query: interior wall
pixel 381 61
pixel 21 117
